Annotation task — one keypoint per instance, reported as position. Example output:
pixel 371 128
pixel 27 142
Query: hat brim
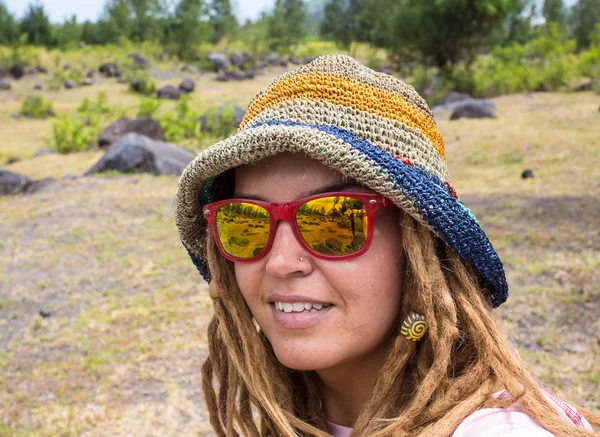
pixel 419 193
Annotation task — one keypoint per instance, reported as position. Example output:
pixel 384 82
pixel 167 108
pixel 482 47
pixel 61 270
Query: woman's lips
pixel 299 320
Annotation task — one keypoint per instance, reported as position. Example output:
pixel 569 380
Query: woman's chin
pixel 304 358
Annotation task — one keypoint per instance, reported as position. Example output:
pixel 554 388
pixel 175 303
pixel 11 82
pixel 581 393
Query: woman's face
pixel 363 293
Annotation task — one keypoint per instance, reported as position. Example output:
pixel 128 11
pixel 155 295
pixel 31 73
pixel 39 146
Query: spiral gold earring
pixel 414 326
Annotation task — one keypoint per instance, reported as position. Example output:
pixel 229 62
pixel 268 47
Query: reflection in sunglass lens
pixel 334 225
pixel 243 229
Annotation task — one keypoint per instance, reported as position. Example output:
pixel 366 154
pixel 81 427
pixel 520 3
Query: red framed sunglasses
pixel 332 226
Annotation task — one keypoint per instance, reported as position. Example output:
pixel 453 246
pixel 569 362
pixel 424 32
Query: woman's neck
pixel 345 389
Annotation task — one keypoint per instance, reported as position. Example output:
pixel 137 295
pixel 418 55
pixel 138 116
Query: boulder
pixel 90 73
pixel 293 60
pixel 3 73
pixel 138 86
pixel 168 92
pixel 220 62
pixel 308 59
pixel 146 126
pixel 140 60
pixel 237 59
pixel 13 160
pixel 250 74
pixel 187 86
pixel 14 183
pixel 238 116
pixel 43 152
pixel 472 109
pixel 139 154
pixel 17 72
pixel 69 84
pixel 5 85
pixel 41 69
pixel 527 174
pixel 190 69
pixel 110 69
pixel 271 59
pixel 37 87
pixel 587 86
pixel 226 76
pixel 88 82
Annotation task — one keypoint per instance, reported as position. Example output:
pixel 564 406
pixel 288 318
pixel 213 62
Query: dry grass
pixel 120 354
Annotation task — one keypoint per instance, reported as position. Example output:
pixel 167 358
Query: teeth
pixel 299 307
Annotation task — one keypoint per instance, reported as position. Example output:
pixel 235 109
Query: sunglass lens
pixel 243 229
pixel 333 225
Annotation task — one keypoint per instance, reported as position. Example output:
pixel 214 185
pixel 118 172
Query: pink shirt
pixel 499 422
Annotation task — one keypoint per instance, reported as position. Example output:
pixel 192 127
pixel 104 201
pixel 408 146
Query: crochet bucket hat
pixel 370 127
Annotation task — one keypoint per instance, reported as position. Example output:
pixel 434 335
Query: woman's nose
pixel 284 258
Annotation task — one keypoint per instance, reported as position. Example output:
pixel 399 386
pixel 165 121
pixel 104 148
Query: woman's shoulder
pixel 514 422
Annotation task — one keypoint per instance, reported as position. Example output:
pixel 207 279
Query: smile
pixel 299 307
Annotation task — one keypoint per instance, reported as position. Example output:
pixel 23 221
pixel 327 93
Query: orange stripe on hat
pixel 345 91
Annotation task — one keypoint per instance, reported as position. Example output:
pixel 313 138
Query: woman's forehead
pixel 289 176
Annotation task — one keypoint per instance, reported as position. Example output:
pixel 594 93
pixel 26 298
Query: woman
pixel 353 292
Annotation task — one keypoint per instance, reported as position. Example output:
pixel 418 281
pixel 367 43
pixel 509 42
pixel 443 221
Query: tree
pixel 187 28
pixel 36 25
pixel 554 11
pixel 68 33
pixel 116 21
pixel 222 20
pixel 518 27
pixel 342 22
pixel 9 29
pixel 443 32
pixel 583 18
pixel 91 33
pixel 144 19
pixel 287 25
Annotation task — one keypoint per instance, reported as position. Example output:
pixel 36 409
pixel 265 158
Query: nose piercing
pixel 301 259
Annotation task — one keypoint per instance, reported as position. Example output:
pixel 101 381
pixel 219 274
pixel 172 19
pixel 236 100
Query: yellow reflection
pixel 243 229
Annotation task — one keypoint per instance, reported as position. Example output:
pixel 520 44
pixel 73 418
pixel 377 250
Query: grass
pixel 121 352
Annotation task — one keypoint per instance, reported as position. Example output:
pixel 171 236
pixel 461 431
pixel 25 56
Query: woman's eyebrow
pixel 340 186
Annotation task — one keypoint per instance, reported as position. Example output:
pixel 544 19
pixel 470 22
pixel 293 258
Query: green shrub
pixel 149 107
pixel 36 106
pixel 141 82
pixel 546 63
pixel 72 135
pixel 219 120
pixel 589 61
pixel 184 123
pixel 19 54
pixel 60 76
pixel 80 133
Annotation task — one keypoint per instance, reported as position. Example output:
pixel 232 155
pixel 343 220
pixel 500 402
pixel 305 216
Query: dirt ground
pixel 103 317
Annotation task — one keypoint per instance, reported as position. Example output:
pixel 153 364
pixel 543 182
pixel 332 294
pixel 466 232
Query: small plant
pixel 60 76
pixel 219 120
pixel 185 123
pixel 148 107
pixel 76 134
pixel 142 83
pixel 36 106
pixel 71 135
